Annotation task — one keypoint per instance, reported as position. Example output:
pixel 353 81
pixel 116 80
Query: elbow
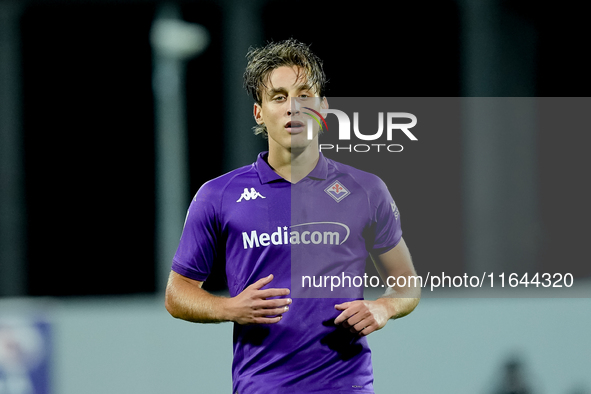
pixel 169 303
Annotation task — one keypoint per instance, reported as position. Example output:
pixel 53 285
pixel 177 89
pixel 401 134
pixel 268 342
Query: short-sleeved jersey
pixel 324 225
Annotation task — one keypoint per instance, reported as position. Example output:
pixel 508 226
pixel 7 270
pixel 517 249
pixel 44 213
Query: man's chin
pixel 299 145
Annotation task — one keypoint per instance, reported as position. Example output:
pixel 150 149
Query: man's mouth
pixel 294 126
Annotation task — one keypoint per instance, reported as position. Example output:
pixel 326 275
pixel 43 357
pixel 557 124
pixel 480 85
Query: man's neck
pixel 293 165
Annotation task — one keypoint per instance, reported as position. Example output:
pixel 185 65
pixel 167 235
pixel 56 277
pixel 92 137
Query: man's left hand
pixel 363 317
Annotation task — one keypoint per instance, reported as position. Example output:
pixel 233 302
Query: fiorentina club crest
pixel 337 191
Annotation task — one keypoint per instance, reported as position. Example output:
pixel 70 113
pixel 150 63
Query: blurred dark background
pixel 88 131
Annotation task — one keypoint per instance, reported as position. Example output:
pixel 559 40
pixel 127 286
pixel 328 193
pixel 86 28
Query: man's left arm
pixel 366 316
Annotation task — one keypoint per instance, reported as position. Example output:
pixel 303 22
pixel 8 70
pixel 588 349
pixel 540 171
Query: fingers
pixel 361 326
pixel 345 314
pixel 367 330
pixel 267 320
pixel 271 312
pixel 272 304
pixel 356 317
pixel 358 322
pixel 259 284
pixel 271 293
pixel 341 318
pixel 270 315
pixel 268 293
pixel 257 306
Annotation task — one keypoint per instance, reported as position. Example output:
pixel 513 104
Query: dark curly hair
pixel 262 61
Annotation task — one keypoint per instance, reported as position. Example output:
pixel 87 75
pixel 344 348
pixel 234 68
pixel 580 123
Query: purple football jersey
pixel 325 225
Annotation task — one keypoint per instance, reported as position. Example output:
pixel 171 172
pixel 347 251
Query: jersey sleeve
pixel 387 231
pixel 198 245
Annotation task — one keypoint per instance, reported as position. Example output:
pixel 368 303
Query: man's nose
pixel 293 107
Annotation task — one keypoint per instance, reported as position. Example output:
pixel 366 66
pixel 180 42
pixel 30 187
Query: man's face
pixel 286 125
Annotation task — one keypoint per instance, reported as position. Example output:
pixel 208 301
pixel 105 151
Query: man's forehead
pixel 286 77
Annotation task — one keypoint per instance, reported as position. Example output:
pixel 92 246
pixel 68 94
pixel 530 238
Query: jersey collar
pixel 267 174
pixel 320 172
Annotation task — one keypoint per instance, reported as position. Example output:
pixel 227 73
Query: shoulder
pixel 215 188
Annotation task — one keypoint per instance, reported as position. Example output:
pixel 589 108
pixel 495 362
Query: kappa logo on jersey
pixel 394 209
pixel 337 190
pixel 250 195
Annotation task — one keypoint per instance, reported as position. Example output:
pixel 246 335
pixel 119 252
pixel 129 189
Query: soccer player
pixel 283 225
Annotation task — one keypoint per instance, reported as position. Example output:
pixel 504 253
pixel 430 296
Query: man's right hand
pixel 252 305
pixel 185 299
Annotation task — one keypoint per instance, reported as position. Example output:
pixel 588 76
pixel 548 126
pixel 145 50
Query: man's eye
pixel 278 98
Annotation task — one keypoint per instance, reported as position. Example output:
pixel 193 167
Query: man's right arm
pixel 186 299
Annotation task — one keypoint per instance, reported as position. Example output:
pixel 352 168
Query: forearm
pixel 185 299
pixel 400 301
pixel 188 301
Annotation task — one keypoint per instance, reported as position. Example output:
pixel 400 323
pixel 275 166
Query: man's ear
pixel 324 103
pixel 258 114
